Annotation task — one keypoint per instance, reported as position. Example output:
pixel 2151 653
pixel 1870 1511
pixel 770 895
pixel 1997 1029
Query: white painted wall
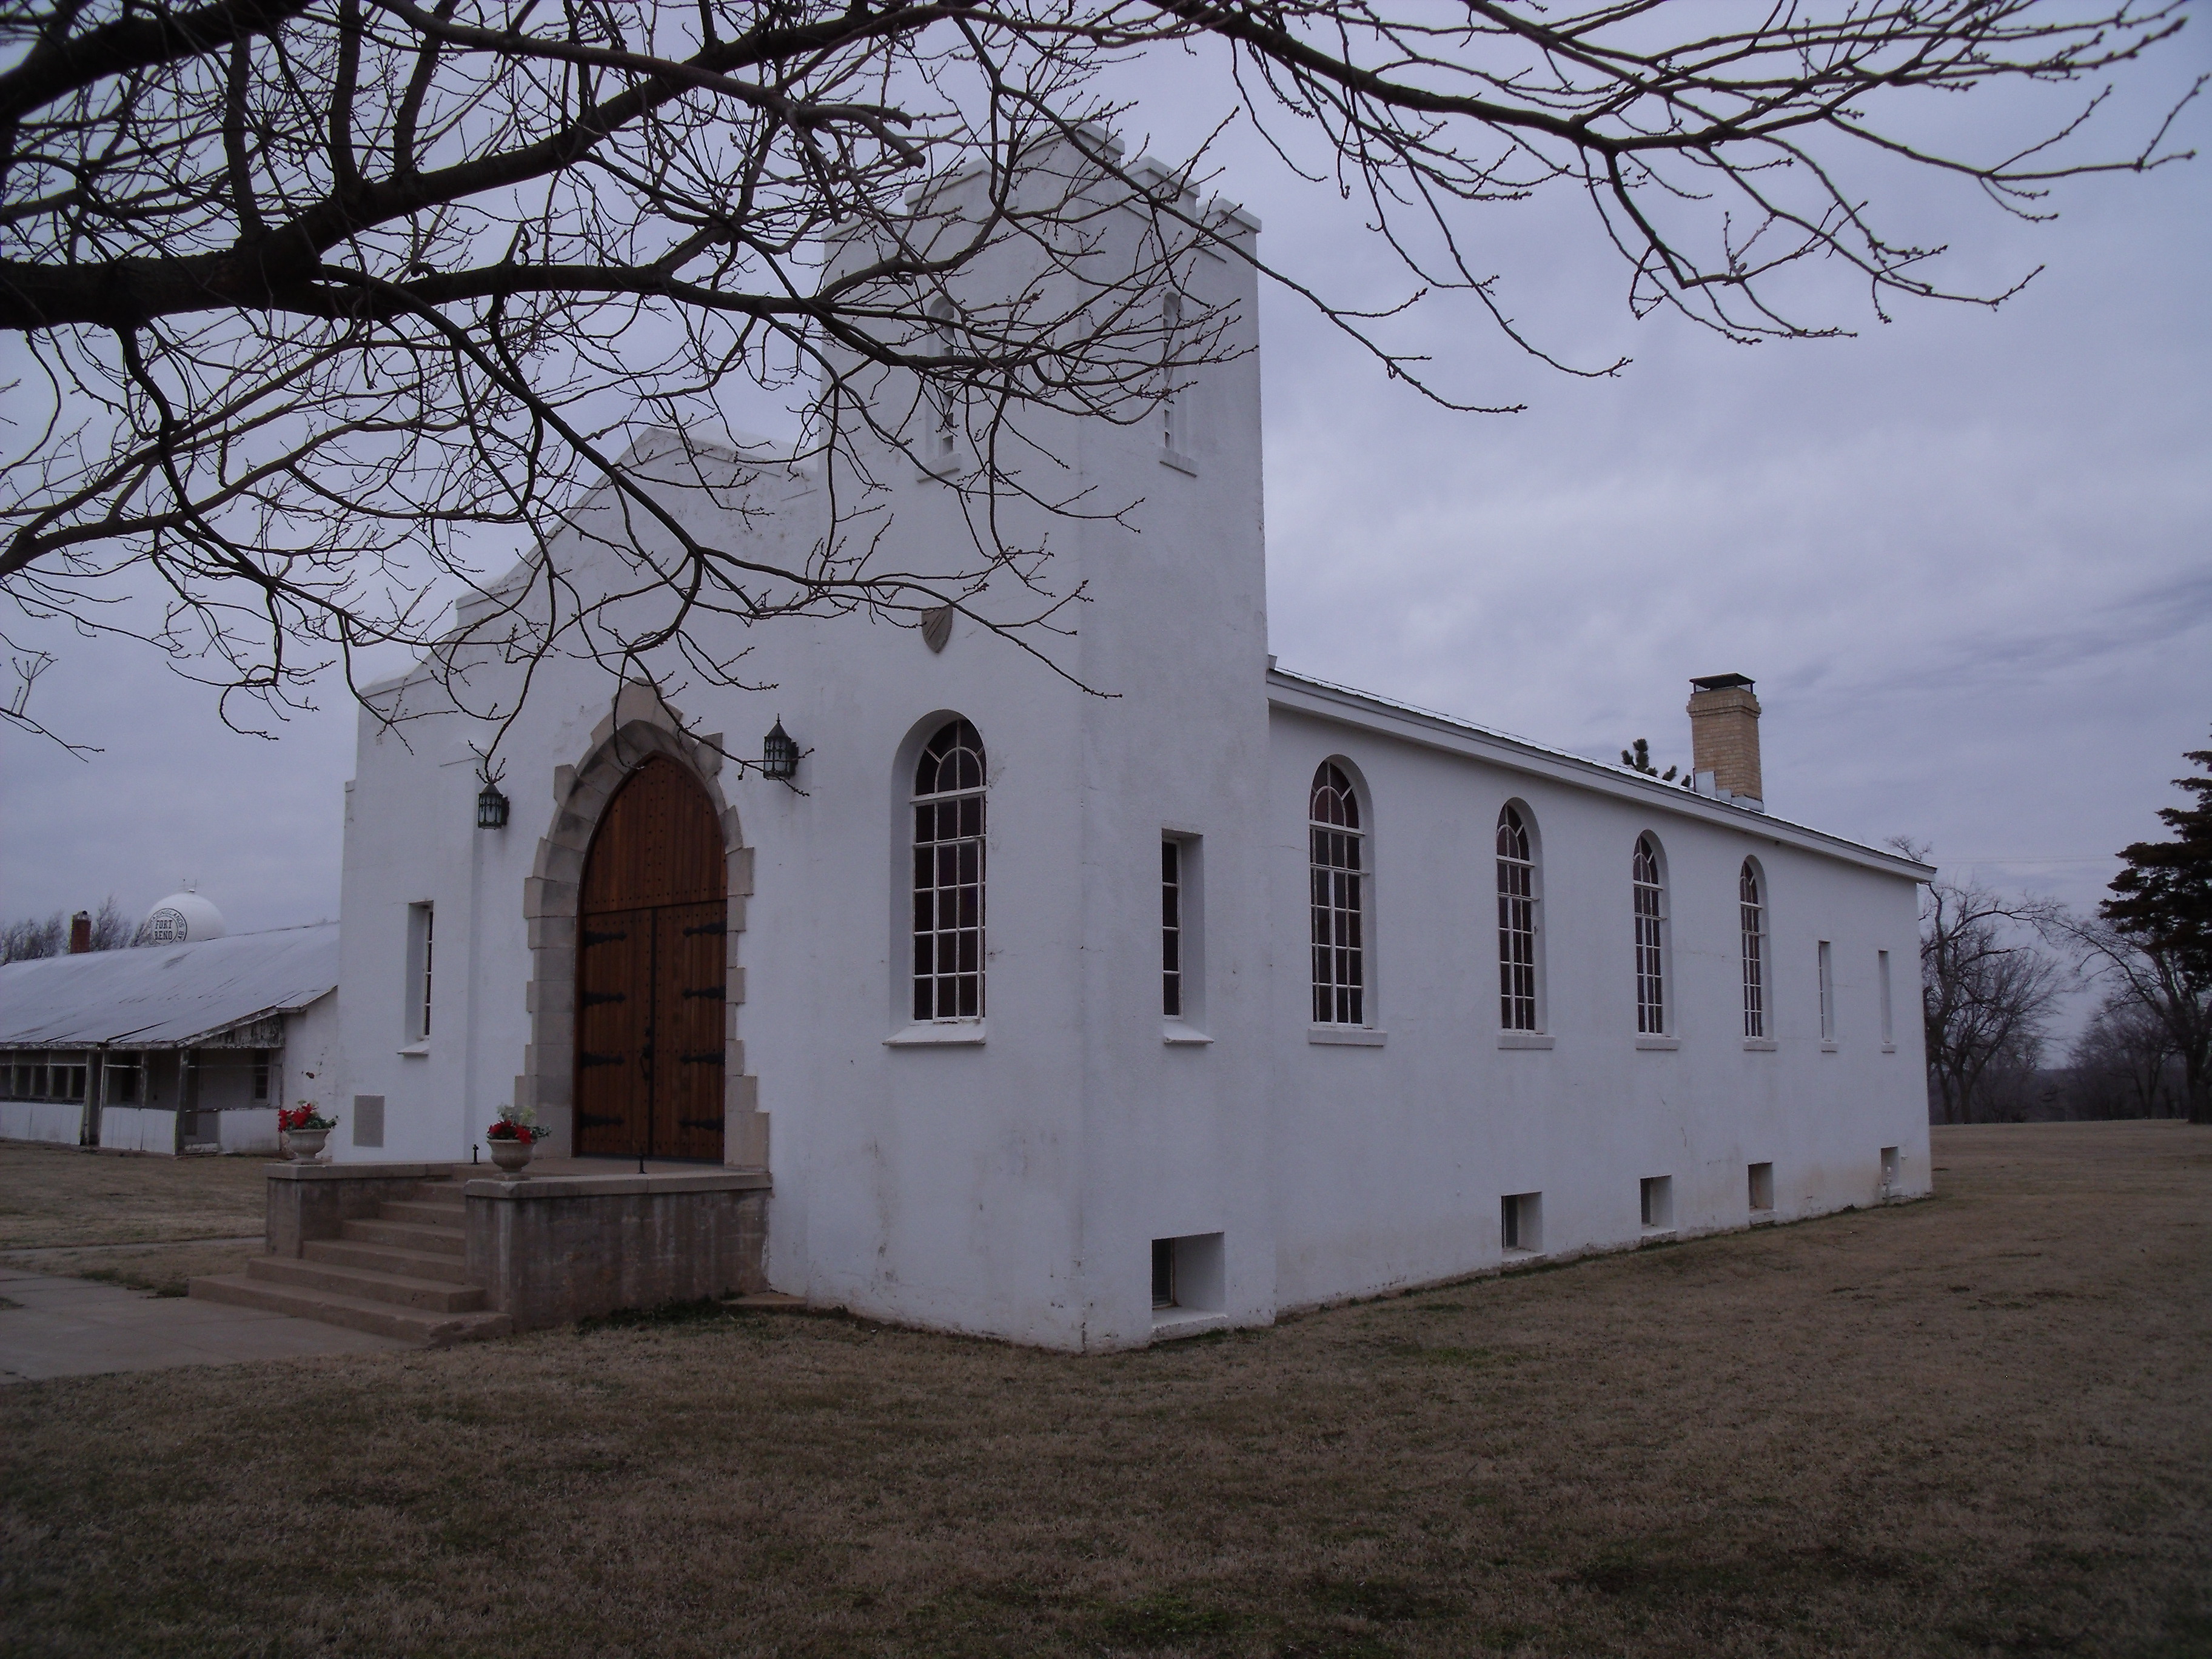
pixel 61 1122
pixel 138 1129
pixel 1010 1183
pixel 249 1129
pixel 310 1068
pixel 1393 1158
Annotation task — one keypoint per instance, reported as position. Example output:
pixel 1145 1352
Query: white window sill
pixel 1350 1037
pixel 1827 1048
pixel 1180 462
pixel 1525 1040
pixel 1889 1047
pixel 1759 1045
pixel 417 1050
pixel 1176 1034
pixel 1662 1043
pixel 1171 1324
pixel 952 1034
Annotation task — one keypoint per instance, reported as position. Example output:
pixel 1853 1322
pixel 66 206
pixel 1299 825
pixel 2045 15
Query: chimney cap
pixel 1722 682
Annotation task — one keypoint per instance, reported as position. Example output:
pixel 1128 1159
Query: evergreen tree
pixel 2165 895
pixel 2156 933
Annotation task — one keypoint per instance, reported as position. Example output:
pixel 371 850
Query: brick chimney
pixel 1724 736
pixel 80 932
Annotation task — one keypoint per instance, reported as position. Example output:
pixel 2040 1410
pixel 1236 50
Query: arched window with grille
pixel 1516 922
pixel 1751 908
pixel 1650 907
pixel 1339 940
pixel 948 875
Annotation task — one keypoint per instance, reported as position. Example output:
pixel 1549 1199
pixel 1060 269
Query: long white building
pixel 1084 1020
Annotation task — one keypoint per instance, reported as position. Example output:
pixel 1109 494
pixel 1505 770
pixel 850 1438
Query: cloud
pixel 1967 555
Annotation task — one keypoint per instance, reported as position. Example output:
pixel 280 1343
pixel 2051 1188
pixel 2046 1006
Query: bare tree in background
pixel 33 937
pixel 2151 942
pixel 2122 1063
pixel 307 296
pixel 1988 989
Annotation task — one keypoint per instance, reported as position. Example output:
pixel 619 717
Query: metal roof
pixel 1326 700
pixel 165 996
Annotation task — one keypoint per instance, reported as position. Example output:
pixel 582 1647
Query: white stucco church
pixel 1084 1020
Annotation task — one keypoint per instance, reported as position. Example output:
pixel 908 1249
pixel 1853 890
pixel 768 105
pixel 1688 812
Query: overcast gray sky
pixel 1966 555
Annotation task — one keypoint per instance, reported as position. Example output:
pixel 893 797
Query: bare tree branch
pixel 328 300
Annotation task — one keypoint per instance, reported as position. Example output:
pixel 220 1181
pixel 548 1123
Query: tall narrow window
pixel 1888 1022
pixel 1172 929
pixel 948 876
pixel 1751 908
pixel 1828 993
pixel 940 397
pixel 1517 924
pixel 1171 412
pixel 1339 949
pixel 1650 951
pixel 421 954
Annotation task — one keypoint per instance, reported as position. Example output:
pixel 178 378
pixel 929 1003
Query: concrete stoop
pixel 401 1274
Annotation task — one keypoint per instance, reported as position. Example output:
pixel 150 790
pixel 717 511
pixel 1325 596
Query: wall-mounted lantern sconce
pixel 491 805
pixel 778 754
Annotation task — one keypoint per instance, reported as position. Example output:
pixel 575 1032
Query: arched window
pixel 1751 909
pixel 1339 945
pixel 1517 924
pixel 1650 943
pixel 948 875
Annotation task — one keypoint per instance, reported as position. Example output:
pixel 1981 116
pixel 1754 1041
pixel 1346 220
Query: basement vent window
pixel 1186 1286
pixel 1762 1189
pixel 1658 1202
pixel 1888 1170
pixel 1520 1222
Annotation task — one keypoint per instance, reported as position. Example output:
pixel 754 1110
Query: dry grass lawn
pixel 1978 1425
pixel 68 1195
pixel 165 1207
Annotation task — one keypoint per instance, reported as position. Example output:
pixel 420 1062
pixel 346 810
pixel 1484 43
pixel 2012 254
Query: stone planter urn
pixel 305 1145
pixel 511 1154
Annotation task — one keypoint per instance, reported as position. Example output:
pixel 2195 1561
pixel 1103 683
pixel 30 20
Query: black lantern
pixel 778 754
pixel 491 808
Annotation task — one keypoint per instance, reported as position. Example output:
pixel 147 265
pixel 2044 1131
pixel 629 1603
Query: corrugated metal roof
pixel 165 996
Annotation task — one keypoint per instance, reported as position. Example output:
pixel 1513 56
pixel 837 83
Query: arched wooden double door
pixel 652 973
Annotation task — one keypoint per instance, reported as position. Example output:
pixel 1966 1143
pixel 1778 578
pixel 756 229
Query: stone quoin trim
pixel 639 726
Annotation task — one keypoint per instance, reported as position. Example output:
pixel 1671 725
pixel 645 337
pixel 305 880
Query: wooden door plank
pixel 650 1026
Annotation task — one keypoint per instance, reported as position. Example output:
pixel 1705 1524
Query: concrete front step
pixel 408 1236
pixel 387 1259
pixel 435 1296
pixel 431 1328
pixel 422 1211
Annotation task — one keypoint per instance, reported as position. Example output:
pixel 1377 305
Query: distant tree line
pixel 1994 966
pixel 48 936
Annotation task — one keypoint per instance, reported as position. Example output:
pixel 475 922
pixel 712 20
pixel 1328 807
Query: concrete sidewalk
pixel 77 1326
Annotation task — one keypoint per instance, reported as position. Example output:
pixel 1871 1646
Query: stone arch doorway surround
pixel 638 728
